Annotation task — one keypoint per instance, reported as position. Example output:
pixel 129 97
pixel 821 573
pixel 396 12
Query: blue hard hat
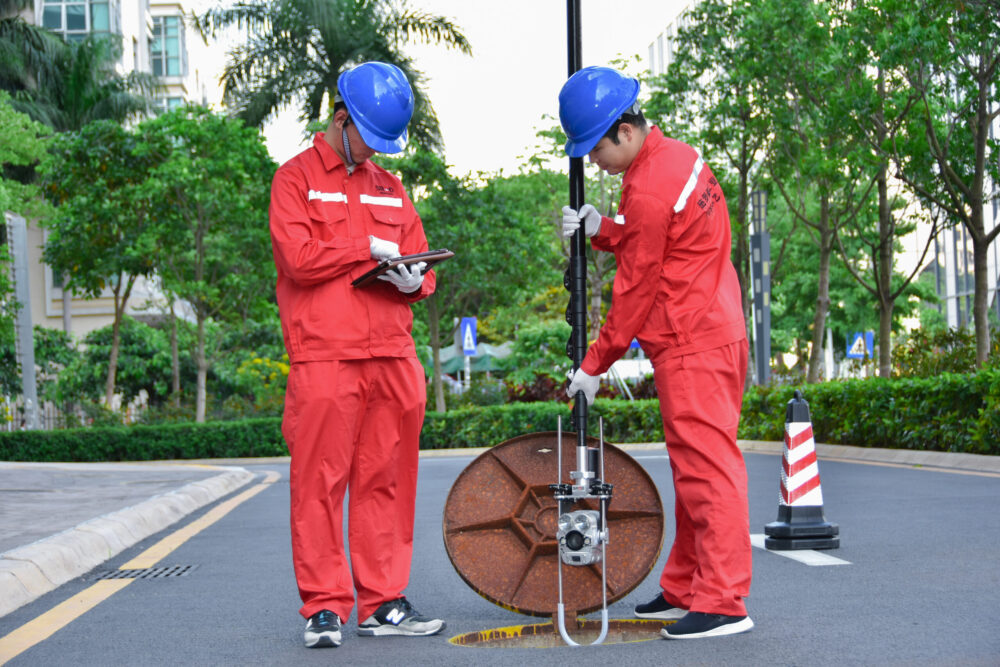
pixel 589 104
pixel 380 101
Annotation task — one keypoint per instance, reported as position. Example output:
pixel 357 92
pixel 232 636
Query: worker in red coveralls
pixel 356 392
pixel 677 292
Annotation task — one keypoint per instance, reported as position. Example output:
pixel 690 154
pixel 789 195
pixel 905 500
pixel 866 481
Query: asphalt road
pixel 918 586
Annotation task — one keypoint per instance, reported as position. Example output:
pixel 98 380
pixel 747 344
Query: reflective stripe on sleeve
pixel 619 219
pixel 689 186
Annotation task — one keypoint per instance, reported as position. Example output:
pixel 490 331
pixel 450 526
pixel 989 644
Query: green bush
pixel 949 413
pixel 252 437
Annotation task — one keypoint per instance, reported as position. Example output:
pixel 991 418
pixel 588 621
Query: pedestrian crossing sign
pixel 468 332
pixel 860 345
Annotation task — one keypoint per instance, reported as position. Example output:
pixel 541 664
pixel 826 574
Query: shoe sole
pixel 673 614
pixel 395 630
pixel 323 640
pixel 736 628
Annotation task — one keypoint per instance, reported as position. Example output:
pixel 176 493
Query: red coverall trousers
pixel 709 567
pixel 353 423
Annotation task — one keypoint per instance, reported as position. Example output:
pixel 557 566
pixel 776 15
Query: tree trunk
pixel 741 260
pixel 200 396
pixel 822 291
pixel 434 331
pixel 120 299
pixel 175 360
pixel 109 383
pixel 980 304
pixel 886 235
pixel 67 307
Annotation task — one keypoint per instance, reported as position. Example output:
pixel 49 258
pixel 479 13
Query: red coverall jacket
pixel 320 223
pixel 675 289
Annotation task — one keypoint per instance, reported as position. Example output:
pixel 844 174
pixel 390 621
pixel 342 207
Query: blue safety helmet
pixel 380 101
pixel 589 104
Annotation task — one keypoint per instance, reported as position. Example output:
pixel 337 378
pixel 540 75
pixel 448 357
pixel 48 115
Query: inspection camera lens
pixel 574 540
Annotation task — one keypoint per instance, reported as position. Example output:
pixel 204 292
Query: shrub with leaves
pixel 143 364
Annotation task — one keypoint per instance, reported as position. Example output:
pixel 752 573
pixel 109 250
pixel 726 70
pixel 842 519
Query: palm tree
pixel 83 86
pixel 27 52
pixel 296 49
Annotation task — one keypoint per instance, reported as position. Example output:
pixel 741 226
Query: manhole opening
pixel 546 635
pixel 148 572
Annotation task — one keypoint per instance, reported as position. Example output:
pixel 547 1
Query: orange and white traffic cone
pixel 800 524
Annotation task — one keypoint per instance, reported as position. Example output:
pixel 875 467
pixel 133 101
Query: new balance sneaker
pixel 323 630
pixel 697 624
pixel 398 617
pixel 659 608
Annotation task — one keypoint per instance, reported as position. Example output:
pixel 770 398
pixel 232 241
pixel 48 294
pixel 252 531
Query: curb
pixel 28 572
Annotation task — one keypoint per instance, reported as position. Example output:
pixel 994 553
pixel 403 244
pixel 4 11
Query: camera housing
pixel 580 537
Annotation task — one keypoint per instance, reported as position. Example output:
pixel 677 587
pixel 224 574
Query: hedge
pixel 251 437
pixel 952 413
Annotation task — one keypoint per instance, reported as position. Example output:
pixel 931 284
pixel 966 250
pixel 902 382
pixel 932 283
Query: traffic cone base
pixel 778 544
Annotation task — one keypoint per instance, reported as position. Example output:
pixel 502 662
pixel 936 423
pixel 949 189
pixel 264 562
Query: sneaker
pixel 660 609
pixel 697 624
pixel 322 630
pixel 398 617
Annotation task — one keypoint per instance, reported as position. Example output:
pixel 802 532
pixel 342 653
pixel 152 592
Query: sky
pixel 491 104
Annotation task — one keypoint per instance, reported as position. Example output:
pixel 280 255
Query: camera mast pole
pixel 575 279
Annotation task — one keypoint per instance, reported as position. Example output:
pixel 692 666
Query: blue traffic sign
pixel 468 329
pixel 860 345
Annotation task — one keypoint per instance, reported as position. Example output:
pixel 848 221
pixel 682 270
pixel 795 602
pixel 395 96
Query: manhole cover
pixel 500 525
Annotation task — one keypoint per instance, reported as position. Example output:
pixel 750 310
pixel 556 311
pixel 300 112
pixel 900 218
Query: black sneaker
pixel 323 630
pixel 697 624
pixel 660 609
pixel 398 617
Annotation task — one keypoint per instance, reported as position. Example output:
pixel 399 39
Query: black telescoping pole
pixel 576 274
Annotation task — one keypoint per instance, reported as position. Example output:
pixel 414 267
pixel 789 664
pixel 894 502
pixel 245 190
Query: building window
pixel 166 50
pixel 75 19
pixel 164 104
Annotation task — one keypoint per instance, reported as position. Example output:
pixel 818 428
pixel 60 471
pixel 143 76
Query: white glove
pixel 587 213
pixel 382 249
pixel 588 384
pixel 407 279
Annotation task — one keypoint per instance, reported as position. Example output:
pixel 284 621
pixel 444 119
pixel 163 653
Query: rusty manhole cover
pixel 500 525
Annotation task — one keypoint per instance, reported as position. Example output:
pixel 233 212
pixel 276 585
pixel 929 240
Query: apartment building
pixel 155 39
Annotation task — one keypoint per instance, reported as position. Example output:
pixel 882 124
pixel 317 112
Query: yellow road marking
pixel 41 628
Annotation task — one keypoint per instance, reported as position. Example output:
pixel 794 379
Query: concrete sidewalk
pixel 61 520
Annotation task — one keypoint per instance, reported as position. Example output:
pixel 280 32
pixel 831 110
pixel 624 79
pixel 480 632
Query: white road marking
pixel 807 556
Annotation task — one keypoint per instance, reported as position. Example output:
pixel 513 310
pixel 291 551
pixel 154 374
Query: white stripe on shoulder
pixel 619 219
pixel 689 186
pixel 328 196
pixel 396 202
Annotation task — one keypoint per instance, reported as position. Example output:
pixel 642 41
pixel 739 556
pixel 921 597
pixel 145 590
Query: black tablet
pixel 431 257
